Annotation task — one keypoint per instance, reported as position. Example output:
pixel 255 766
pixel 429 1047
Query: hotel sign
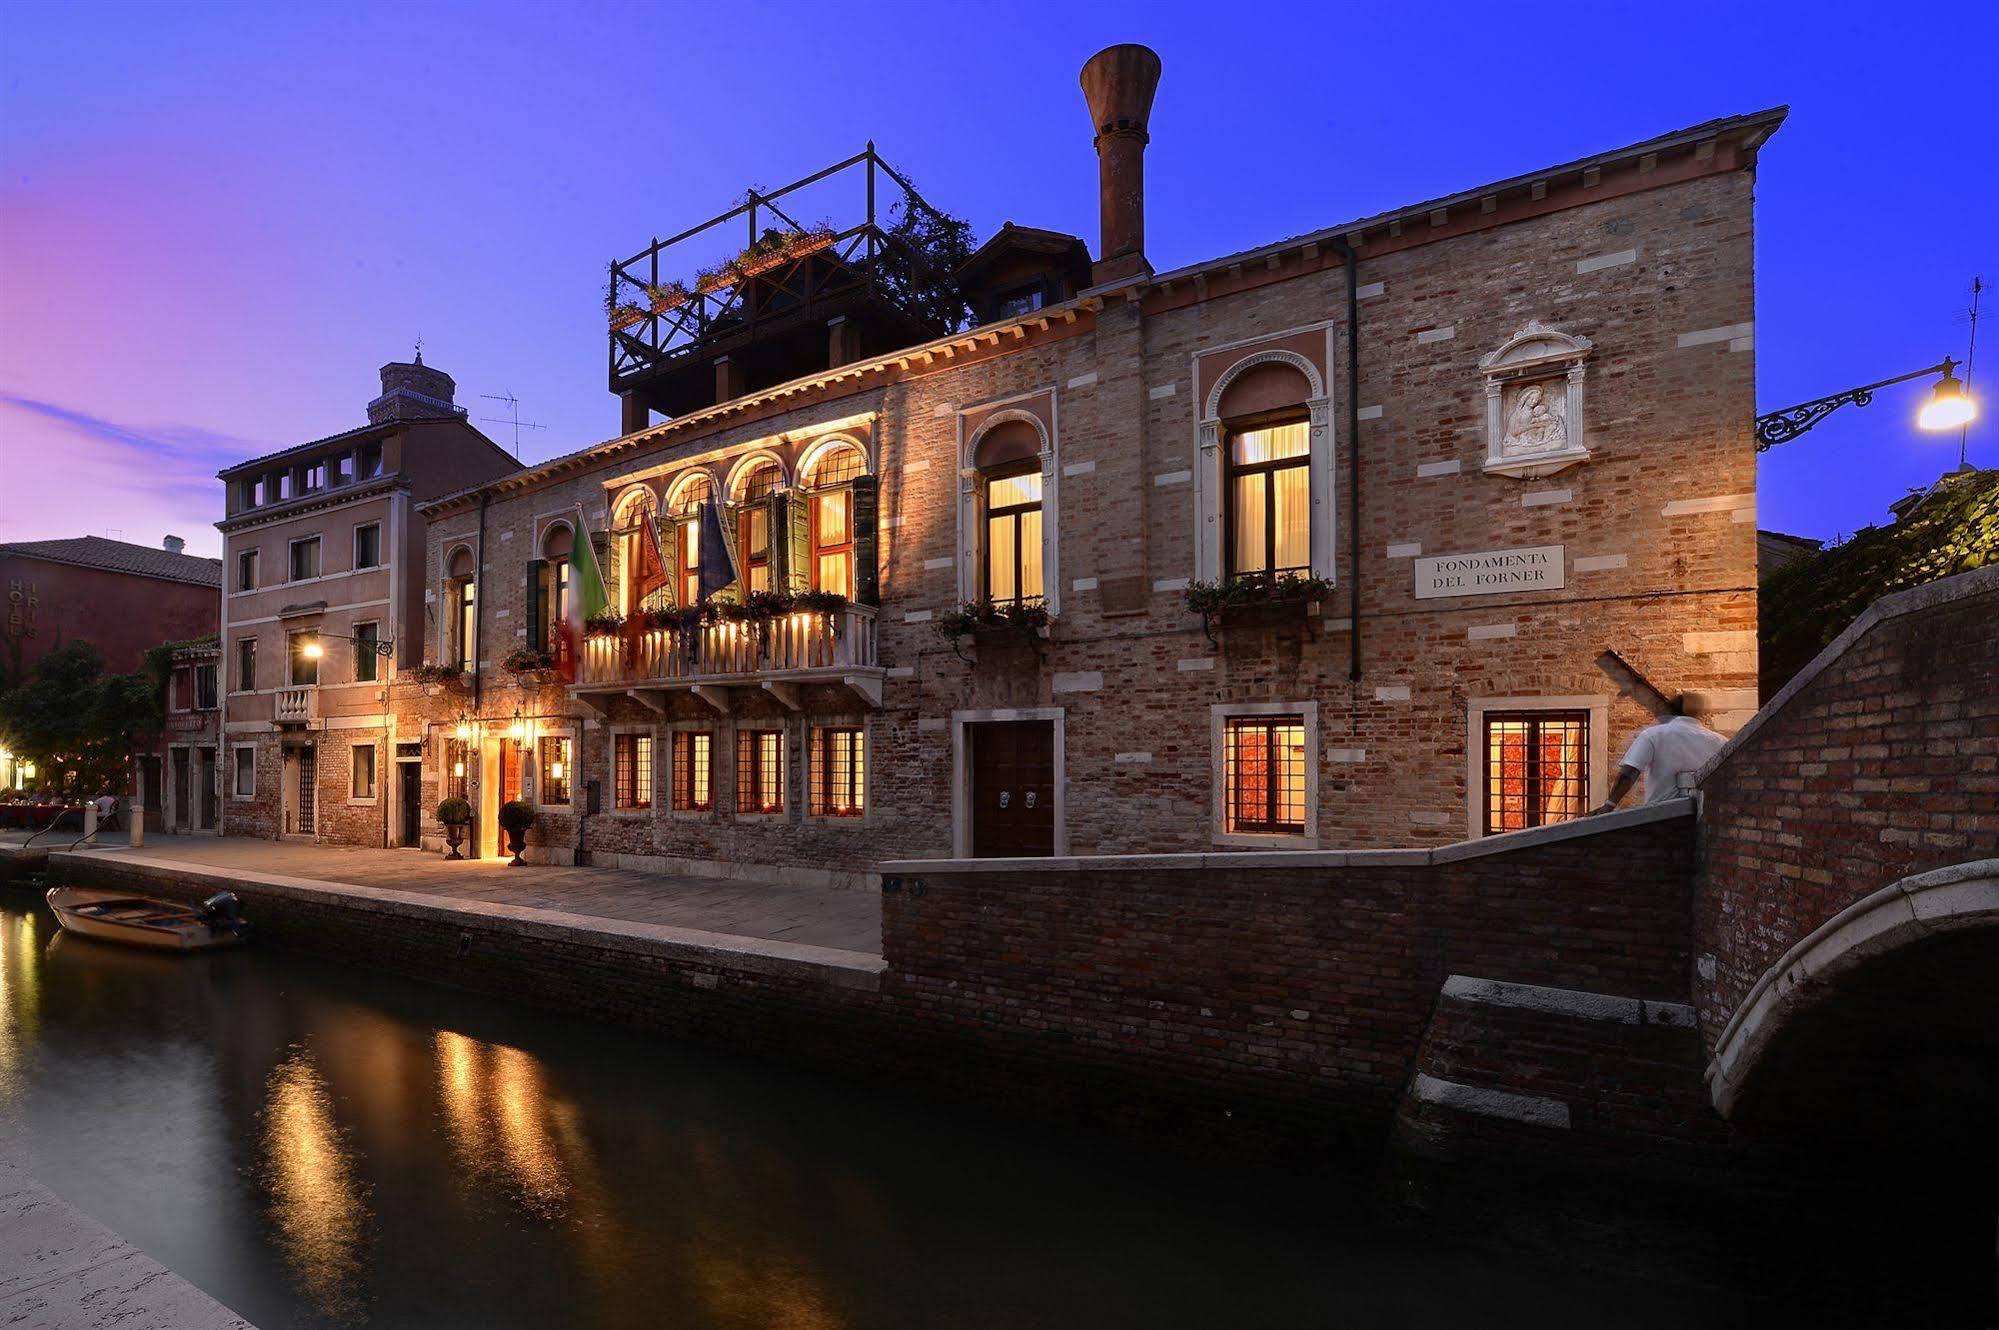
pixel 1537 568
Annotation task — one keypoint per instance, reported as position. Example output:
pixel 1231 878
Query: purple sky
pixel 217 222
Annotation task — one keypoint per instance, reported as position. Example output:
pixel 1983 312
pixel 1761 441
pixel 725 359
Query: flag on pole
pixel 718 558
pixel 586 597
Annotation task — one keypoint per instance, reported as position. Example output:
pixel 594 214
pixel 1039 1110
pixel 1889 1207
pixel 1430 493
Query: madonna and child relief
pixel 1536 420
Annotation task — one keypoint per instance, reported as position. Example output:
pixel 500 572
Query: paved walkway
pixel 846 920
pixel 62 1270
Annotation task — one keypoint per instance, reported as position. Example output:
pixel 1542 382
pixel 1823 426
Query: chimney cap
pixel 173 544
pixel 1119 82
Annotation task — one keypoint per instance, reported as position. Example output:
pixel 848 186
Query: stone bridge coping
pixel 851 969
pixel 1930 595
pixel 1505 843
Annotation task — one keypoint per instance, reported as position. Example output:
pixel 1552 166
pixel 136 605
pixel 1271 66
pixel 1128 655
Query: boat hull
pixel 137 921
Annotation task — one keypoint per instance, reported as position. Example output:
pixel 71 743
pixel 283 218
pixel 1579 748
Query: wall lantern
pixel 1949 405
pixel 463 731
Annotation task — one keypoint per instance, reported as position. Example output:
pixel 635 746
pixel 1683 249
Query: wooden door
pixel 183 790
pixel 1013 788
pixel 410 799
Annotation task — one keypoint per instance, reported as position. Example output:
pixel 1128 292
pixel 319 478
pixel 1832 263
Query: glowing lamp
pixel 28 770
pixel 518 730
pixel 555 770
pixel 458 769
pixel 313 650
pixel 463 732
pixel 1949 405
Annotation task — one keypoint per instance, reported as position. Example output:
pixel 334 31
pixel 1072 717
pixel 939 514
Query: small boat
pixel 141 921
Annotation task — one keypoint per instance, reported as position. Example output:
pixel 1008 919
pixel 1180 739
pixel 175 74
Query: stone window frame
pixel 611 807
pixel 662 771
pixel 787 747
pixel 318 558
pixel 1210 431
pixel 575 739
pixel 366 801
pixel 1598 756
pixel 381 553
pixel 356 655
pixel 1562 356
pixel 809 459
pixel 961 772
pixel 447 621
pixel 236 770
pixel 870 750
pixel 971 527
pixel 1219 715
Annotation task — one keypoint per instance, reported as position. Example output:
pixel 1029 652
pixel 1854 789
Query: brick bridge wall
pixel 1880 759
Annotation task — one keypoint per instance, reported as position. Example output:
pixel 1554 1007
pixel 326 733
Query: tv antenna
pixel 1970 352
pixel 513 417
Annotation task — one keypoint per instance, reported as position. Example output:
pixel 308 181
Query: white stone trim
pixel 1431 335
pixel 1162 391
pixel 1530 1109
pixel 1083 584
pixel 1208 454
pixel 971 536
pixel 1708 336
pixel 1486 632
pixel 1717 503
pixel 1545 498
pixel 1408 549
pixel 1598 262
pixel 1079 681
pixel 1576 1004
pixel 1398 692
pixel 1195 664
pixel 1368 413
pixel 1084 380
pixel 1598 563
pixel 1450 468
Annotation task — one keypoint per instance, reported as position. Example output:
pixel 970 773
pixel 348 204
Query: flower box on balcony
pixel 626 316
pixel 1248 602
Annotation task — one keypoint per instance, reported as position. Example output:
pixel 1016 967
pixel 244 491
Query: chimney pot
pixel 1118 82
pixel 412 390
pixel 173 545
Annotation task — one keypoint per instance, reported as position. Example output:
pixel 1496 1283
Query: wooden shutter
pixel 797 535
pixel 537 606
pixel 668 535
pixel 867 547
pixel 778 532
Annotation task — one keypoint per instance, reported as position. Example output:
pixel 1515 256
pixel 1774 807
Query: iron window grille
pixel 1536 768
pixel 839 772
pixel 1264 775
pixel 693 771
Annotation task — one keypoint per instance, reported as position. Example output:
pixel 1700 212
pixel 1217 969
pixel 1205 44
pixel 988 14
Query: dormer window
pixel 368 461
pixel 1020 300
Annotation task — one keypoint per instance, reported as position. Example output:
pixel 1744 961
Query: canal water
pixel 317 1146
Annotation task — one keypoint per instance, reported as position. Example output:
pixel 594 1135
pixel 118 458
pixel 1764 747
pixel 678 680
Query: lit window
pixel 1269 501
pixel 1536 768
pixel 553 767
pixel 364 771
pixel 457 759
pixel 246 570
pixel 832 518
pixel 305 558
pixel 1013 535
pixel 633 517
pixel 365 656
pixel 1264 775
pixel 631 775
pixel 368 546
pixel 753 524
pixel 693 771
pixel 760 771
pixel 686 520
pixel 466 639
pixel 839 772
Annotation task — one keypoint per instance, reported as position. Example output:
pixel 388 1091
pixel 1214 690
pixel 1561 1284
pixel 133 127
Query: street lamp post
pixel 1949 407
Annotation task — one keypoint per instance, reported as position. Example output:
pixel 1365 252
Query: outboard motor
pixel 223 912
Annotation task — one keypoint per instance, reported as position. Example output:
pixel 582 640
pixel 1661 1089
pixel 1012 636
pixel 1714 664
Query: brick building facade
pixel 321 605
pixel 1535 498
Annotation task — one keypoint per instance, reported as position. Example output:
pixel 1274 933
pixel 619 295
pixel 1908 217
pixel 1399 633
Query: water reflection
pixel 315 1198
pixel 20 995
pixel 504 1123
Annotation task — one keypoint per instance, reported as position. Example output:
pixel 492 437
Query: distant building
pixel 324 602
pixel 1776 551
pixel 178 778
pixel 122 598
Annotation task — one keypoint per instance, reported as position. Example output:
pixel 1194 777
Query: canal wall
pixel 1272 1000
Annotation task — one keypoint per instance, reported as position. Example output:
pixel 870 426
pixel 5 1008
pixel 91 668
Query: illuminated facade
pixel 1507 491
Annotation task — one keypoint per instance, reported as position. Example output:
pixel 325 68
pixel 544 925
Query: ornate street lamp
pixel 312 650
pixel 1949 407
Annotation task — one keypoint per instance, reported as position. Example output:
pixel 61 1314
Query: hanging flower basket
pixel 625 316
pixel 608 623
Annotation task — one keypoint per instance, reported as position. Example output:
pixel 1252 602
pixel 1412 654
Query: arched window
pixel 1263 460
pixel 635 512
pixel 683 520
pixel 462 594
pixel 830 490
pixel 1008 460
pixel 556 544
pixel 753 524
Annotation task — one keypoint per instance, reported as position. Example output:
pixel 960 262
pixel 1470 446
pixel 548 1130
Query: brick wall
pixel 1878 761
pixel 1658 528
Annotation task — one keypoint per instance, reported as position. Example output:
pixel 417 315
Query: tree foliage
pixel 920 264
pixel 1806 605
pixel 73 716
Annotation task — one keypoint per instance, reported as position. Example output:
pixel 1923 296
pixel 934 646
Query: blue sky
pixel 216 222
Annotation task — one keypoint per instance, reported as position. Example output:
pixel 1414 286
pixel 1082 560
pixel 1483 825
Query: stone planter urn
pixel 454 836
pixel 454 815
pixel 515 819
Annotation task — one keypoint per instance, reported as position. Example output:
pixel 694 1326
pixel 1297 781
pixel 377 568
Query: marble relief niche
pixel 1534 402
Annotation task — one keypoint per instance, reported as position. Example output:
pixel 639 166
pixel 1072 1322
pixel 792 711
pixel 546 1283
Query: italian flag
pixel 586 597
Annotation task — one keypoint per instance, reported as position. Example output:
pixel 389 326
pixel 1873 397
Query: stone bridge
pixel 1846 907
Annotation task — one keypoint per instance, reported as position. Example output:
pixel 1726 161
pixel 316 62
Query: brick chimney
pixel 173 545
pixel 1118 83
pixel 414 391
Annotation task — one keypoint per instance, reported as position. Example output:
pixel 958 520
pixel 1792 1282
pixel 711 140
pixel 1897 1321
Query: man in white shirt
pixel 1666 753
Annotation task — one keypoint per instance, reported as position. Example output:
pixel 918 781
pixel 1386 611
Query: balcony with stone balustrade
pixel 715 662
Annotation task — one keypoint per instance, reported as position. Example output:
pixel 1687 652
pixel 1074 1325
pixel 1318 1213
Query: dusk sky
pixel 217 222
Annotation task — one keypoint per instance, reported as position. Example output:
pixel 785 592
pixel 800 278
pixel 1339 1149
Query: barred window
pixel 553 766
pixel 1536 768
pixel 457 753
pixel 693 771
pixel 839 772
pixel 631 774
pixel 1264 775
pixel 760 771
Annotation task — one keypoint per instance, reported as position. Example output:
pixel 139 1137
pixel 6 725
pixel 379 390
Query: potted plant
pixel 533 666
pixel 1257 597
pixel 667 295
pixel 996 622
pixel 515 819
pixel 604 623
pixel 432 678
pixel 456 815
